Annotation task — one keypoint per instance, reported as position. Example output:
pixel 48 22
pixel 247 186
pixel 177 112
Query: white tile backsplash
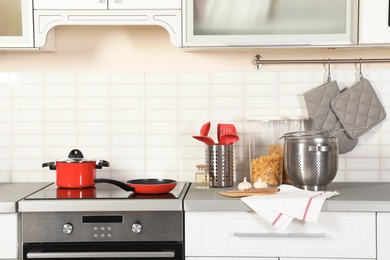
pixel 143 123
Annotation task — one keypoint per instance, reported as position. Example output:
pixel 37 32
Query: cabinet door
pixel 316 258
pixel 70 4
pixel 383 230
pixel 16 23
pixel 270 22
pixel 144 4
pixel 374 23
pixel 9 235
pixel 336 235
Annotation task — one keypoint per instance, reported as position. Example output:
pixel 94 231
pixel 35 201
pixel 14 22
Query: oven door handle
pixel 86 255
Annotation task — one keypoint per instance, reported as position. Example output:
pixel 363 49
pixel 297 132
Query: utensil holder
pixel 219 159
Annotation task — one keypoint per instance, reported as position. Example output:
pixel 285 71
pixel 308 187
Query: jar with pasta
pixel 266 153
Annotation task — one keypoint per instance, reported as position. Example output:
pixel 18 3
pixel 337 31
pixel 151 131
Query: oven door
pixel 110 250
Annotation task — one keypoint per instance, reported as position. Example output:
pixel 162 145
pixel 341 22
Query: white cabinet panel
pixel 9 235
pixel 52 13
pixel 105 4
pixel 245 234
pixel 70 4
pixel 144 4
pixel 16 23
pixel 374 22
pixel 383 230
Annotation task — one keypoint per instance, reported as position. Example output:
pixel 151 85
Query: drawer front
pixel 245 234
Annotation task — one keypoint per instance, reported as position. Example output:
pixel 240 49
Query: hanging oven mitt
pixel 322 117
pixel 318 105
pixel 358 108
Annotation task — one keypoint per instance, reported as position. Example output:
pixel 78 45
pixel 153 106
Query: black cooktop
pixel 103 191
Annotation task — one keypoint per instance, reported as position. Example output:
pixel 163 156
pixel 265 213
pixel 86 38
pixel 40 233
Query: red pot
pixel 76 171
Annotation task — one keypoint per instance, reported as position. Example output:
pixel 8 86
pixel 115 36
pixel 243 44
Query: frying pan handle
pixel 101 164
pixel 120 184
pixel 51 165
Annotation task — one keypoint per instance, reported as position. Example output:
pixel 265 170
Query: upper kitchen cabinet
pixel 374 22
pixel 16 23
pixel 51 13
pixel 236 23
pixel 106 4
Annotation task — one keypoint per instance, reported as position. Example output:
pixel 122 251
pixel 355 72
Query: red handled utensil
pixel 204 130
pixel 227 138
pixel 226 129
pixel 205 139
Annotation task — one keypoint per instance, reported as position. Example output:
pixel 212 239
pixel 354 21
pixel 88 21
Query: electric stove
pixel 102 222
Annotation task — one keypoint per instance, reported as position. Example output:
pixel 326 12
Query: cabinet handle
pixel 110 255
pixel 299 235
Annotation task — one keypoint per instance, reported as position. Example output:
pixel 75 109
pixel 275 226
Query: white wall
pixel 127 95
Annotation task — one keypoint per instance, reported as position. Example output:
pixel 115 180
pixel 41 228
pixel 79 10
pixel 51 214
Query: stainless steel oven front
pixel 102 235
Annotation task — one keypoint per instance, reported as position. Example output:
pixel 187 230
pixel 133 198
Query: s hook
pixel 360 69
pixel 329 75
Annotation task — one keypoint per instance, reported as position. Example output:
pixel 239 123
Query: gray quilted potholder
pixel 318 106
pixel 322 117
pixel 358 108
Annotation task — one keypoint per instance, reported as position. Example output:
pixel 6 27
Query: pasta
pixel 270 167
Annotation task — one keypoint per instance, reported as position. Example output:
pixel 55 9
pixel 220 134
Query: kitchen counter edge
pixel 353 197
pixel 12 192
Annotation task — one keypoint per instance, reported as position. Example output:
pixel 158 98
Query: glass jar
pixel 266 153
pixel 202 178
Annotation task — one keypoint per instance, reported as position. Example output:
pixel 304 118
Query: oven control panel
pixel 102 226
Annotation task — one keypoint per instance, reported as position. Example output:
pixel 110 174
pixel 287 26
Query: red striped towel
pixel 290 202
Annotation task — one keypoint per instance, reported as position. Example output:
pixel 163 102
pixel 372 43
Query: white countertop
pixel 11 193
pixel 354 196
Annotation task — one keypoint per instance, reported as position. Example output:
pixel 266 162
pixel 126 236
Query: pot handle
pixel 52 165
pixel 101 164
pixel 120 184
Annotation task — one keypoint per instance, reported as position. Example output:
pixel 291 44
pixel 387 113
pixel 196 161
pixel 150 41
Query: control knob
pixel 136 227
pixel 67 228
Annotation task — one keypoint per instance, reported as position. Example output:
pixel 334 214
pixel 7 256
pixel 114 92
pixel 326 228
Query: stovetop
pixel 102 197
pixel 103 191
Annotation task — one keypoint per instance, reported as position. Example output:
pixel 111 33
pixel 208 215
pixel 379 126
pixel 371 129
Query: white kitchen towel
pixel 290 202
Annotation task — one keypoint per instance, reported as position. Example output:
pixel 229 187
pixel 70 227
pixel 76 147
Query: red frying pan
pixel 143 186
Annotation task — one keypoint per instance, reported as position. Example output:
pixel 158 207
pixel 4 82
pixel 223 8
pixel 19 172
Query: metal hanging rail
pixel 258 61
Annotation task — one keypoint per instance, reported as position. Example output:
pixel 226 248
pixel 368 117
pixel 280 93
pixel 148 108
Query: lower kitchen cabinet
pixel 9 236
pixel 323 258
pixel 232 258
pixel 241 235
pixel 383 234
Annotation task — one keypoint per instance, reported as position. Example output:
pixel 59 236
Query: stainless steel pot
pixel 311 159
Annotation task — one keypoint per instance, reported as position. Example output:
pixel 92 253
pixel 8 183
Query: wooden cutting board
pixel 243 193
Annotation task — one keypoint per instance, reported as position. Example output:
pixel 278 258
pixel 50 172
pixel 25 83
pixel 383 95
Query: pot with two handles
pixel 75 171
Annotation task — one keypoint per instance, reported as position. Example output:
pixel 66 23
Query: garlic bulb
pixel 245 185
pixel 259 184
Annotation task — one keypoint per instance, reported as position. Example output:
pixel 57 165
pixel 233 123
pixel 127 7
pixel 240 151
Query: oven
pixel 107 226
